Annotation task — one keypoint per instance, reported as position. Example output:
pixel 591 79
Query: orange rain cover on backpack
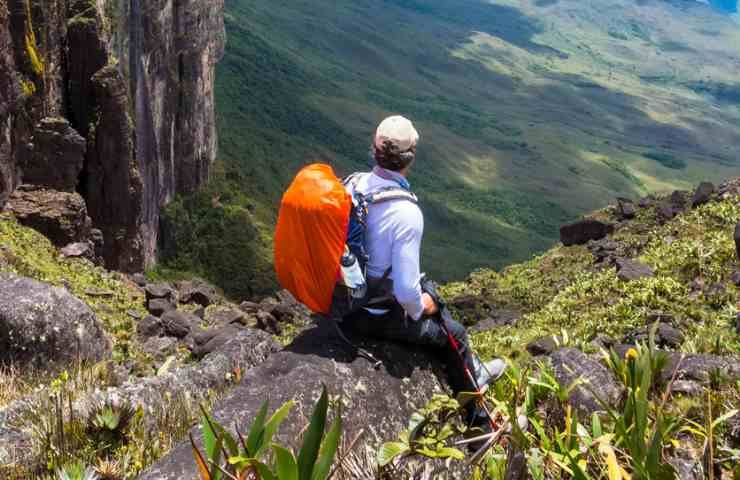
pixel 311 234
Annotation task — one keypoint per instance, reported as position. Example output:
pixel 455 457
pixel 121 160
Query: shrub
pixel 215 237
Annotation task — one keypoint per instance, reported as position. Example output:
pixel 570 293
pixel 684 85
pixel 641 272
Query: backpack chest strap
pixel 388 194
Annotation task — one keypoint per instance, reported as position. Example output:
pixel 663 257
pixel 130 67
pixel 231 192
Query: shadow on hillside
pixel 502 21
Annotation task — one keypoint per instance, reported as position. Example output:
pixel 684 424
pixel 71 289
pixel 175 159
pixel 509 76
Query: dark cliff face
pixel 135 79
pixel 9 93
pixel 168 51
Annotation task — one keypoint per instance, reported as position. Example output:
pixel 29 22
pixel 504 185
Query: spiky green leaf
pixel 312 438
pixel 328 450
pixel 287 468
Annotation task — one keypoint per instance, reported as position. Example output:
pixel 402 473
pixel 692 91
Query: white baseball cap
pixel 397 130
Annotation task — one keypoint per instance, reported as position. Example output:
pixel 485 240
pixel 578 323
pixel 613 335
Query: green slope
pixel 530 112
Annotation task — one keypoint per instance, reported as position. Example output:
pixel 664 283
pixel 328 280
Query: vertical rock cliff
pixel 9 93
pixel 132 78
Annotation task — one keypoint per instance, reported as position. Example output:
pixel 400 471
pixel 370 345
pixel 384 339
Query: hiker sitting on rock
pixel 400 308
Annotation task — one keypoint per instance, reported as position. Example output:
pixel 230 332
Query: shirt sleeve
pixel 406 271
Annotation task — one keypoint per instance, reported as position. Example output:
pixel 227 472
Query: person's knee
pixel 432 334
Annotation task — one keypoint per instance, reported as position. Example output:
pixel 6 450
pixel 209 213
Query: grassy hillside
pixel 530 111
pixel 565 290
pixel 565 293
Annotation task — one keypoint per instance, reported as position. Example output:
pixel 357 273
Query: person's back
pixel 393 239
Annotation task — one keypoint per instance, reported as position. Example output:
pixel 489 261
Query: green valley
pixel 531 112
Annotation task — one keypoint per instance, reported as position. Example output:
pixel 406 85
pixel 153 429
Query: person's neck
pixel 397 176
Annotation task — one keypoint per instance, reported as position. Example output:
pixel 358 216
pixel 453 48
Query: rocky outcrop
pixel 197 292
pixel 544 345
pixel 628 270
pixel 666 336
pixel 46 326
pixel 626 208
pixel 159 306
pixel 378 402
pixel 135 81
pixel 111 183
pixel 30 79
pixel 703 194
pixel 580 232
pixel 179 324
pixel 55 156
pixel 497 318
pixel 60 216
pixel 700 368
pixel 87 55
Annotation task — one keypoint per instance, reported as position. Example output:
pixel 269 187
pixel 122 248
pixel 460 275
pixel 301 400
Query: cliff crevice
pixel 135 80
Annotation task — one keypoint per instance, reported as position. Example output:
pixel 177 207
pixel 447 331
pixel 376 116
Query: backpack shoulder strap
pixel 352 179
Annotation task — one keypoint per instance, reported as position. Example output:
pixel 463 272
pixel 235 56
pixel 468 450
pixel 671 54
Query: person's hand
pixel 430 307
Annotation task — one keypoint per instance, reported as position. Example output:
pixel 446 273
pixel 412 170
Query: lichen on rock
pixel 46 327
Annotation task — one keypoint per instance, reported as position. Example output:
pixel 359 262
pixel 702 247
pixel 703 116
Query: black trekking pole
pixel 429 288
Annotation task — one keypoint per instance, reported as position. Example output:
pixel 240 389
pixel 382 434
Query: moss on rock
pixel 114 299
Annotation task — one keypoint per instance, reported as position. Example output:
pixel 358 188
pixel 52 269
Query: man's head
pixel 394 147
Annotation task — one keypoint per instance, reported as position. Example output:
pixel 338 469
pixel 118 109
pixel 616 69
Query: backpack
pixel 320 249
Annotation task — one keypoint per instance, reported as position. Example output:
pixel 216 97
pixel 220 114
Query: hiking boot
pixel 489 372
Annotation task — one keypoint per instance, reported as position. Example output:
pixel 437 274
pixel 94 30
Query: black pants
pixel 395 325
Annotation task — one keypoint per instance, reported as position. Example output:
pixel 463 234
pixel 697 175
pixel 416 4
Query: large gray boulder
pixel 46 326
pixel 700 368
pixel 628 270
pixel 599 382
pixel 378 401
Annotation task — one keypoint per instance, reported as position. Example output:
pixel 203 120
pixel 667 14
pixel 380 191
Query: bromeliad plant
pixel 77 471
pixel 428 433
pixel 244 458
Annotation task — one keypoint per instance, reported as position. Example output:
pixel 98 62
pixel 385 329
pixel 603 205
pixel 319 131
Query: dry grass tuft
pixel 13 385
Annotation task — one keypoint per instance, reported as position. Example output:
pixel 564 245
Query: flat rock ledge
pixel 377 402
pixel 247 348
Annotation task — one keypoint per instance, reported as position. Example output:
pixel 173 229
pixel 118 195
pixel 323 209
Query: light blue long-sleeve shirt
pixel 393 239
